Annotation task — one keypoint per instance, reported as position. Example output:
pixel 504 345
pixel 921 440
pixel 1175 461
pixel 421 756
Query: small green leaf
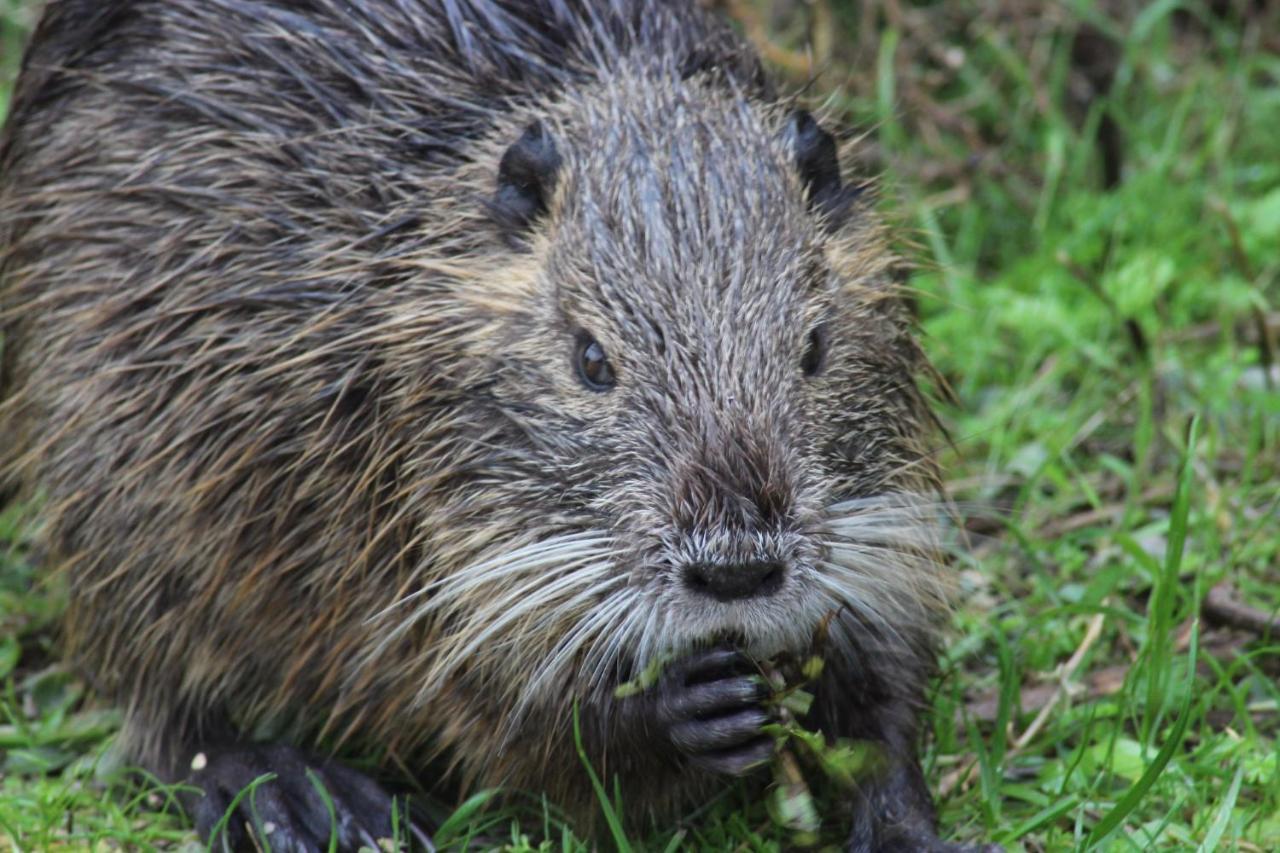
pixel 797 702
pixel 647 678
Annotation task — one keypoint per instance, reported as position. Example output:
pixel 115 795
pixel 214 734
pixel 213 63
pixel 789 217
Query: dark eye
pixel 815 352
pixel 593 365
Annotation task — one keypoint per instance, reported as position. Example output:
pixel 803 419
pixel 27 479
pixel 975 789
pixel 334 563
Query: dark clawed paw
pixel 710 705
pixel 288 813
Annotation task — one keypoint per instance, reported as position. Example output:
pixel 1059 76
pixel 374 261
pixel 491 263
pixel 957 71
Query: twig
pixel 963 775
pixel 1222 606
pixel 1246 333
pixel 1058 527
pixel 1091 635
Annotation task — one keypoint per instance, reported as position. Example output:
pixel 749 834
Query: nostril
pixel 736 580
pixel 772 579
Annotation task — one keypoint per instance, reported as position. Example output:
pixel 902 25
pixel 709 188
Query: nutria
pixel 395 377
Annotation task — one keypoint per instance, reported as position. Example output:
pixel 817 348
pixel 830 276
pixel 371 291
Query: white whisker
pixel 581 644
pixel 531 556
pixel 883 558
pixel 494 594
pixel 482 624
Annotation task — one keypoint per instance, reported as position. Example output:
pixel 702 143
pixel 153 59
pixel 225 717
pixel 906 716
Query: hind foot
pixel 303 804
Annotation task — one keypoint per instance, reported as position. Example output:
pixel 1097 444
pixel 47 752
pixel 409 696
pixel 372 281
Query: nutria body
pixel 393 376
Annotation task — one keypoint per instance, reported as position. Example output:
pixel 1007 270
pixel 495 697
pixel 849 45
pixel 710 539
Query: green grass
pixel 16 19
pixel 1113 352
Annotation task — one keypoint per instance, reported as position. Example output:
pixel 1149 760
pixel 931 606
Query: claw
pixel 254 796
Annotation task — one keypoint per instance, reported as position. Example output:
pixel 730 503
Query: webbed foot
pixel 302 804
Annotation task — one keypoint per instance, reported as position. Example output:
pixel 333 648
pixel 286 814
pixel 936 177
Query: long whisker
pixel 482 624
pixel 532 555
pixel 620 638
pixel 582 645
pixel 883 558
pixel 491 593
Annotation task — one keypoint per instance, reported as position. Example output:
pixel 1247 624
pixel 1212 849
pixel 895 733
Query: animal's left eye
pixel 815 352
pixel 593 365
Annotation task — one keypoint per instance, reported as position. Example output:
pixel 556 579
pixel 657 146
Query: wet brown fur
pixel 275 378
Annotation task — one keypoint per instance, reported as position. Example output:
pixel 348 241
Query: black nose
pixel 735 580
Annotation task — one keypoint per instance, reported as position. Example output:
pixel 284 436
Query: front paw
pixel 709 707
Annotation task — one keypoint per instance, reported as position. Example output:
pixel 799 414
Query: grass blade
pixel 1134 795
pixel 463 815
pixel 1219 825
pixel 610 814
pixel 1160 622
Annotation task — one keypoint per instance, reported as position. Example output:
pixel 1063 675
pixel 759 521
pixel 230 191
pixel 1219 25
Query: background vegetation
pixel 1092 194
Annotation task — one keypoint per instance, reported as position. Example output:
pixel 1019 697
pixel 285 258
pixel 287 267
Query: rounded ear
pixel 526 179
pixel 818 163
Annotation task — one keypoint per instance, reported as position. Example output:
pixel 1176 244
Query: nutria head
pixel 706 380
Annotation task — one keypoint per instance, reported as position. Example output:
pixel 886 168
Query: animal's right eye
pixel 593 365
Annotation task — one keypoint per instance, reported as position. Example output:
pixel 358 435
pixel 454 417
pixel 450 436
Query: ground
pixel 1091 195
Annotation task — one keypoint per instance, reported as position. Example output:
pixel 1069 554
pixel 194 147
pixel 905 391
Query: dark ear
pixel 819 165
pixel 526 178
